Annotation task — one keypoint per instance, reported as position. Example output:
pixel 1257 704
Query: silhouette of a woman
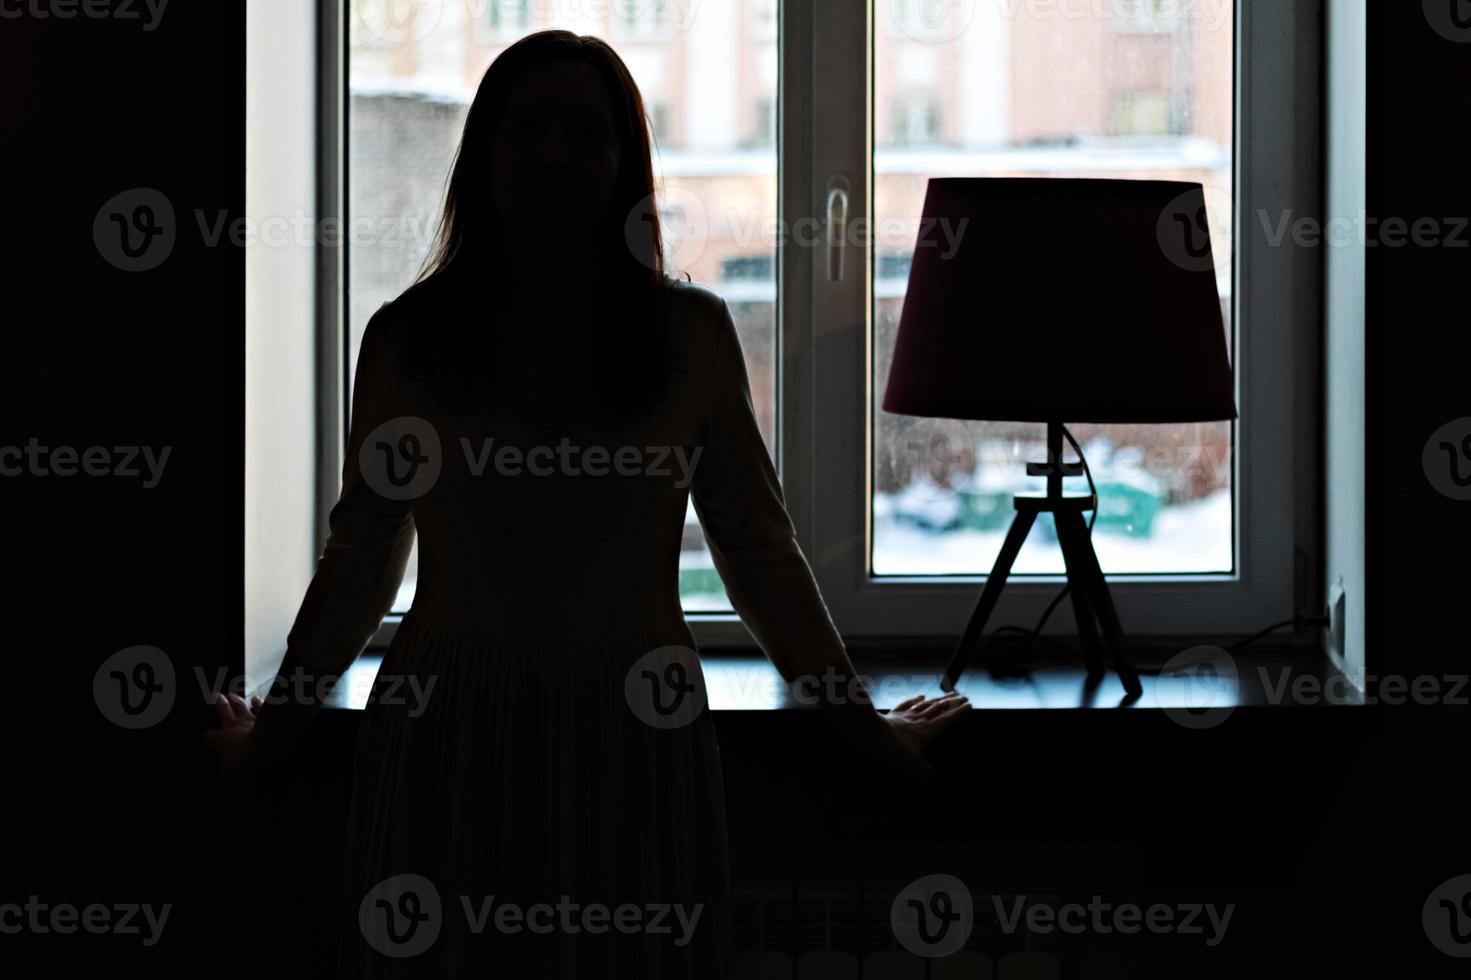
pixel 539 407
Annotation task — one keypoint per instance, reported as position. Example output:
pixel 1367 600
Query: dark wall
pixel 1415 779
pixel 1418 351
pixel 96 356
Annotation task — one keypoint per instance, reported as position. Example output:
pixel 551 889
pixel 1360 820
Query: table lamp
pixel 1064 301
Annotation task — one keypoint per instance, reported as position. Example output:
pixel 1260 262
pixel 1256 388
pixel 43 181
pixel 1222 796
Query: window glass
pixel 708 75
pixel 1129 89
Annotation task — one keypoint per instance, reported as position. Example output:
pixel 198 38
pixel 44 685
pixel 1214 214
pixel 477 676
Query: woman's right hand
pixel 919 721
pixel 231 741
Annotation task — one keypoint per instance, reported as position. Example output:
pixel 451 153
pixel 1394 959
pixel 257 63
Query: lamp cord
pixel 1034 635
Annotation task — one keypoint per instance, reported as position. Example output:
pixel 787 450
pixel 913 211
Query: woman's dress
pixel 537 789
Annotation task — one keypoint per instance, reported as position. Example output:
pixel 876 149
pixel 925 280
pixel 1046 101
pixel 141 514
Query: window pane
pixel 708 75
pixel 1128 89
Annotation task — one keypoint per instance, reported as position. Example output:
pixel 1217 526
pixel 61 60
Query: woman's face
pixel 555 156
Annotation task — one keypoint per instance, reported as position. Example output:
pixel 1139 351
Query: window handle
pixel 837 226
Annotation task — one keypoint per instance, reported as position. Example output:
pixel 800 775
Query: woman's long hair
pixel 623 302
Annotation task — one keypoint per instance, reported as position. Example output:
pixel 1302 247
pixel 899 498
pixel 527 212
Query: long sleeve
pixel 370 535
pixel 743 513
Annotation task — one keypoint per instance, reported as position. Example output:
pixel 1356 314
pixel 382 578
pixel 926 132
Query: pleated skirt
pixel 513 815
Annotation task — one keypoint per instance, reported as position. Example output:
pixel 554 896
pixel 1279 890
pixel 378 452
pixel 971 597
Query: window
pixel 409 86
pixel 638 19
pixel 659 119
pixel 1149 16
pixel 506 18
pixel 915 120
pixel 892 273
pixel 942 490
pixel 1198 525
pixel 764 130
pixel 1141 114
pixel 747 267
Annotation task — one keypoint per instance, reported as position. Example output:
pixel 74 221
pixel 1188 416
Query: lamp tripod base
pixel 1098 620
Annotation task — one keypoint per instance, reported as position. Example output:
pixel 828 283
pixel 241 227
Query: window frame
pixel 823 368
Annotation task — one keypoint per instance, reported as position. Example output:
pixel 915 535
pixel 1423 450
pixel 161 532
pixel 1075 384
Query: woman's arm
pixel 743 512
pixel 360 570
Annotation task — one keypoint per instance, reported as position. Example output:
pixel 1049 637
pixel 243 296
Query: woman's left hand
pixel 920 720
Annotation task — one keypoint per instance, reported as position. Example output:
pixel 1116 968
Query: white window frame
pixel 825 333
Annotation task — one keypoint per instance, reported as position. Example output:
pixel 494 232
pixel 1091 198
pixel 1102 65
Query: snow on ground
pixel 1188 539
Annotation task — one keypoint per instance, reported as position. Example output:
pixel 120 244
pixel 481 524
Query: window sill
pixel 740 680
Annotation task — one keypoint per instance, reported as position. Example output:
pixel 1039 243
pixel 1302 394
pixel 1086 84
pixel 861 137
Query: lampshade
pixel 1062 301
